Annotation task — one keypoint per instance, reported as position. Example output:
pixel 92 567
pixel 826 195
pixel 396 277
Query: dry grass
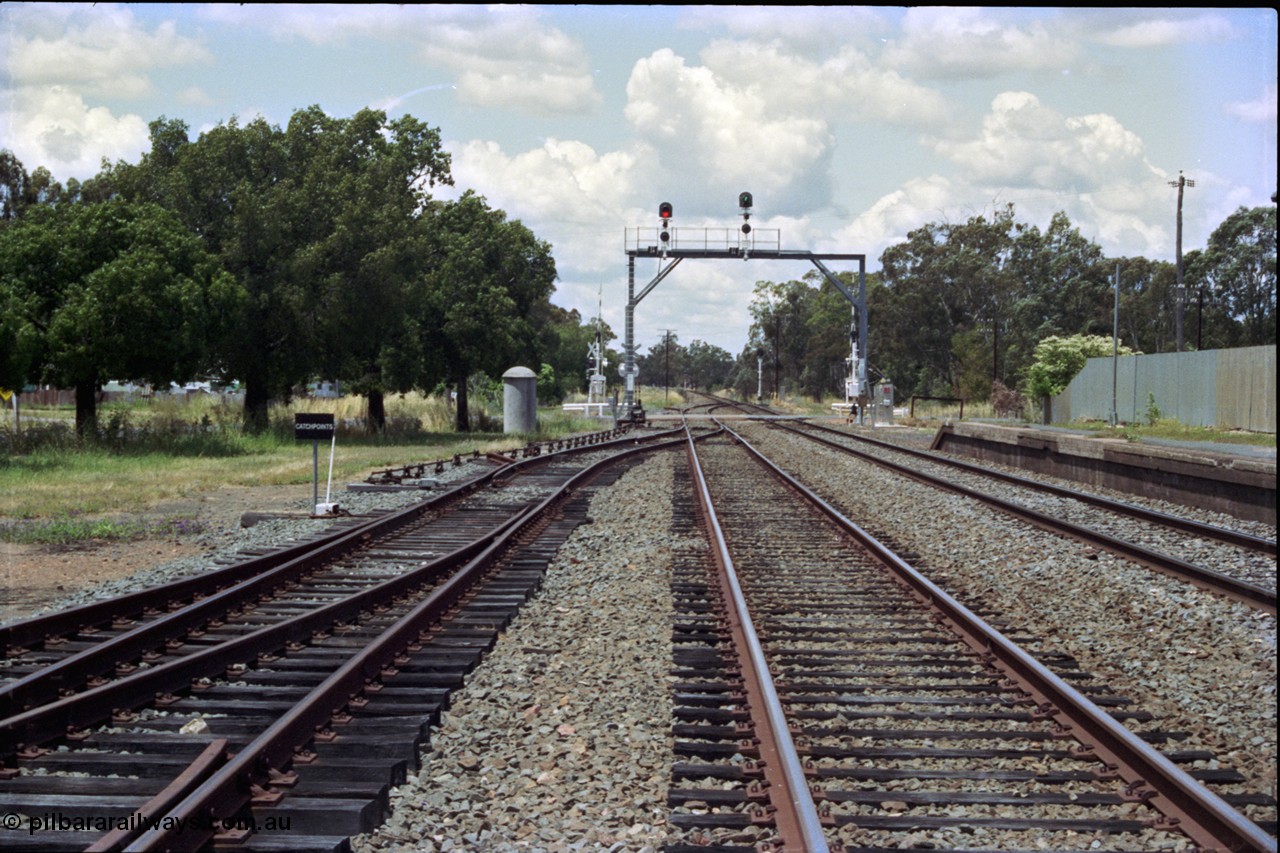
pixel 160 454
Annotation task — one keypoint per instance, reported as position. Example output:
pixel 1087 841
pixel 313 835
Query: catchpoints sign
pixel 308 427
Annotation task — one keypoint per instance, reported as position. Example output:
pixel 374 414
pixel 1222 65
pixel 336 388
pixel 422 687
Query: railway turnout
pixel 826 692
pixel 230 719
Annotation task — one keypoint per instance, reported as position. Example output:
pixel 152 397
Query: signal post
pixel 669 246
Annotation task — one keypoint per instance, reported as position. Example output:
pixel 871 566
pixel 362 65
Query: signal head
pixel 664 210
pixel 744 201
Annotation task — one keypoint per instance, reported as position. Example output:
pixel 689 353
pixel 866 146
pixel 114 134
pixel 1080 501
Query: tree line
pixel 273 256
pixel 959 309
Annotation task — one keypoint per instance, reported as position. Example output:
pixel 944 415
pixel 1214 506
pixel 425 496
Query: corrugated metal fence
pixel 1229 388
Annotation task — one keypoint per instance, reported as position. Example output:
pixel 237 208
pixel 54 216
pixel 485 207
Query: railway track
pixel 1224 561
pixel 915 720
pixel 272 705
pixel 1226 535
pixel 722 794
pixel 1243 566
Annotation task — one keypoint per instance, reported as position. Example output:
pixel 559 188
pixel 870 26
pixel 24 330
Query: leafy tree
pixel 366 172
pixel 1146 303
pixel 312 221
pixel 964 304
pixel 15 187
pixel 1237 271
pixel 565 340
pixel 780 312
pixel 485 279
pixel 19 338
pixel 748 371
pixel 548 388
pixel 828 336
pixel 706 366
pixel 919 313
pixel 113 290
pixel 665 364
pixel 1058 360
pixel 20 191
pixel 802 330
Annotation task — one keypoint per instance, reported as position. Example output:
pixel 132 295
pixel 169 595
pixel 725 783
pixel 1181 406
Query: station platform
pixel 1239 481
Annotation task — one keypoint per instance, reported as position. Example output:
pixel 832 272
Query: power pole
pixel 1181 183
pixel 666 380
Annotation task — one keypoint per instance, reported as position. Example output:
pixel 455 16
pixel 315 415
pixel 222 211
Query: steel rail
pixel 1187 805
pixel 266 573
pixel 214 756
pixel 228 791
pixel 418 469
pixel 1254 596
pixel 39 724
pixel 80 710
pixel 37 629
pixel 47 627
pixel 795 814
pixel 1185 525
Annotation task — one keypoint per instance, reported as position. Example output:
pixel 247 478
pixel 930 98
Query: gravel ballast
pixel 1202 664
pixel 560 740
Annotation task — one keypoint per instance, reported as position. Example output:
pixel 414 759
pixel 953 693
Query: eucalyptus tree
pixel 707 366
pixel 1147 302
pixel 566 340
pixel 112 290
pixel 829 334
pixel 779 313
pixel 15 187
pixel 20 191
pixel 921 311
pixel 1237 271
pixel 966 303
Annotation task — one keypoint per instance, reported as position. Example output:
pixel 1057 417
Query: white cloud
pixel 508 58
pixel 1159 32
pixel 60 58
pixel 52 126
pixel 947 43
pixel 791 83
pixel 1090 166
pixel 704 300
pixel 103 53
pixel 889 219
pixel 327 24
pixel 194 96
pixel 579 197
pixel 801 28
pixel 1261 110
pixel 503 57
pixel 1025 144
pixel 714 137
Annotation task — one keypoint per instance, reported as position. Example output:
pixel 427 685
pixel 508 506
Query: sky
pixel 851 126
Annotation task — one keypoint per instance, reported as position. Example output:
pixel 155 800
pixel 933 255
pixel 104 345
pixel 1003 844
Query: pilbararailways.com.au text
pixel 135 822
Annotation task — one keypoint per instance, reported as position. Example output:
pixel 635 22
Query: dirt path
pixel 33 576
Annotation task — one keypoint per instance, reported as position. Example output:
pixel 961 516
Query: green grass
pixel 71 531
pixel 62 487
pixel 1172 430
